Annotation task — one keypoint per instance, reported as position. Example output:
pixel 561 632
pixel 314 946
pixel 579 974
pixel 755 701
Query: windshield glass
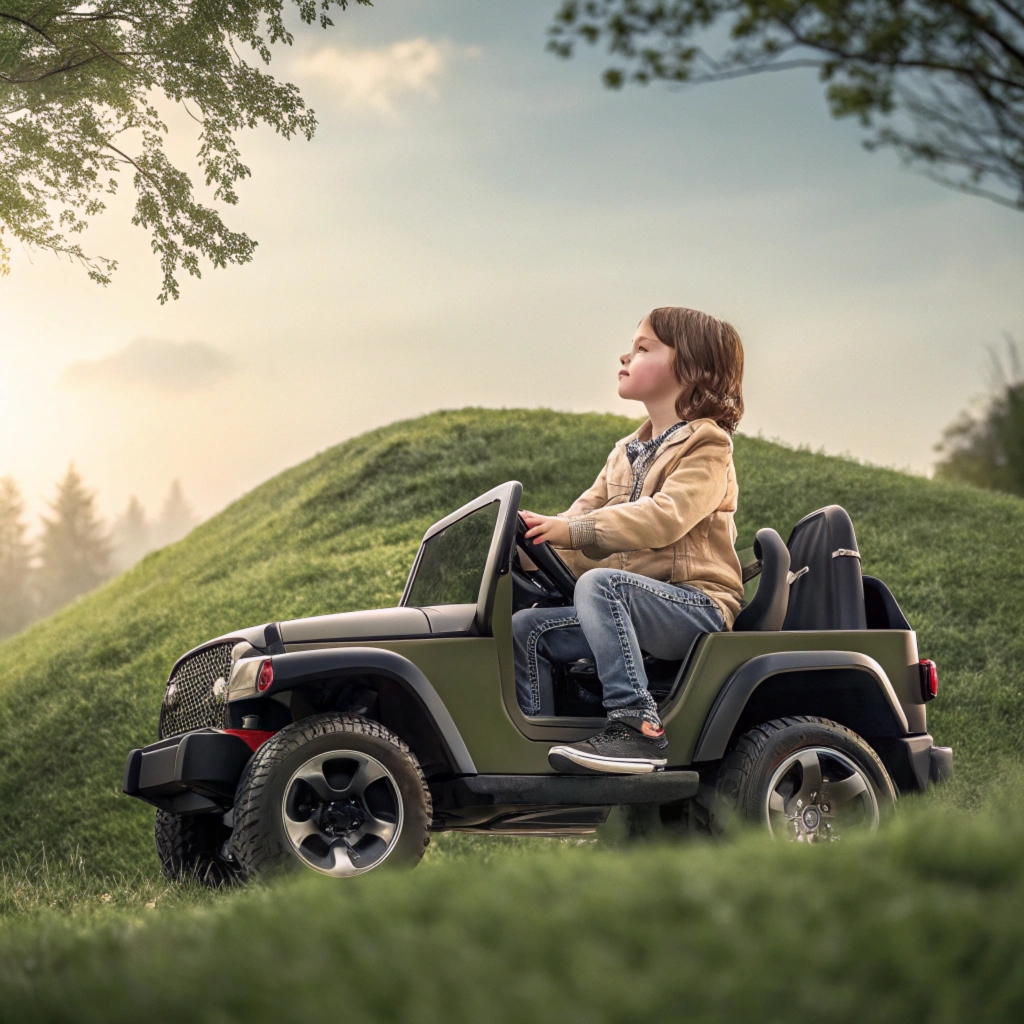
pixel 451 566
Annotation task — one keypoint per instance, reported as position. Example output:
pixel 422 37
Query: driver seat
pixel 767 609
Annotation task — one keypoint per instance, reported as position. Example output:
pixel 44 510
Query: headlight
pixel 242 682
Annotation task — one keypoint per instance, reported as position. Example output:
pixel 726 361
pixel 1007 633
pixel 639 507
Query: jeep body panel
pixel 474 678
pixel 470 667
pixel 873 697
pixel 722 654
pixel 442 677
pixel 339 661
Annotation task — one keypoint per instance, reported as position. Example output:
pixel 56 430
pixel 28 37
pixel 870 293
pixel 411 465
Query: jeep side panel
pixel 721 654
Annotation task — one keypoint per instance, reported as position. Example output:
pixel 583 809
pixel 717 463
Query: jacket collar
pixel 677 438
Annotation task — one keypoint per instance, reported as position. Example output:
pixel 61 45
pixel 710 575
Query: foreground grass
pixel 339 532
pixel 31 890
pixel 922 922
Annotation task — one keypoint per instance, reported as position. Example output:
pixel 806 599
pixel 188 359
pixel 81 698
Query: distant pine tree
pixel 131 535
pixel 176 519
pixel 74 549
pixel 17 604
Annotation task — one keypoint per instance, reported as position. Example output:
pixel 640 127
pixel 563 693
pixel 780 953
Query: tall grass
pixel 921 922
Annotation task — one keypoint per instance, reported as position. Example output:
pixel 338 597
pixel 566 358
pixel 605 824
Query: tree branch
pixel 1017 16
pixel 128 160
pixel 984 26
pixel 28 24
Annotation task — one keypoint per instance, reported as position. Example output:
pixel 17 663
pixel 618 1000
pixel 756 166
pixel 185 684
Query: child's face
pixel 646 373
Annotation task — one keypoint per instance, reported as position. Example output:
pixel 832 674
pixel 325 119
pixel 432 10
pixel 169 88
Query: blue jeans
pixel 616 615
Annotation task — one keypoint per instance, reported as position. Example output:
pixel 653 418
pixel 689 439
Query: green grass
pixel 339 532
pixel 924 922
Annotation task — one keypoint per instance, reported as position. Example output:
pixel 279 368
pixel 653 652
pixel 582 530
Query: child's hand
pixel 553 529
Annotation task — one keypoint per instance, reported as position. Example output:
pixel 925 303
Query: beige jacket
pixel 680 529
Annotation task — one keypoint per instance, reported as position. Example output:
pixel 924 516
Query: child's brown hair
pixel 708 363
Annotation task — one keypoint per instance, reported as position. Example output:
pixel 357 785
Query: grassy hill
pixel 339 532
pixel 920 922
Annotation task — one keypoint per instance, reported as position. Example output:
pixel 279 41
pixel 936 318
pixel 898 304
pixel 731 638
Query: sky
pixel 477 222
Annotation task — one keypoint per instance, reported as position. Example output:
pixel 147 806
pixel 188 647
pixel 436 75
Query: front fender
pixel 300 667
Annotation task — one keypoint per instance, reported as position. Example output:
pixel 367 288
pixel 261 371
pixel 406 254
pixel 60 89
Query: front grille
pixel 197 692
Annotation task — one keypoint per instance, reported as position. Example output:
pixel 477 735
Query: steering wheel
pixel 543 555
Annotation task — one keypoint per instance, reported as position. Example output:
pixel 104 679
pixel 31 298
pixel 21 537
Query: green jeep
pixel 341 741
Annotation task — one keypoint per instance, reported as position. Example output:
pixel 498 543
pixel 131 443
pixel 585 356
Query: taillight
pixel 929 679
pixel 265 680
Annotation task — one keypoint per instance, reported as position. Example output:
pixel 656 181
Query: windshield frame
pixel 498 560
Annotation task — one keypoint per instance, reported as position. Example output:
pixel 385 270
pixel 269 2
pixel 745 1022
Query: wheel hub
pixel 817 792
pixel 341 817
pixel 811 818
pixel 811 823
pixel 342 812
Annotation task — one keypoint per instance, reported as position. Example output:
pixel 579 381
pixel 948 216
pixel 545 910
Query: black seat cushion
pixel 767 608
pixel 827 591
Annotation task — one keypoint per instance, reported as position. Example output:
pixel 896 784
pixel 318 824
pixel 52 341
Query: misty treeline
pixel 74 551
pixel 985 445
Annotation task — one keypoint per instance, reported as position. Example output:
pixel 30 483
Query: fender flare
pixel 298 667
pixel 740 687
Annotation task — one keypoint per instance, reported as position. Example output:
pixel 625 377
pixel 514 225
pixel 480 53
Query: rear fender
pixel 847 686
pixel 406 687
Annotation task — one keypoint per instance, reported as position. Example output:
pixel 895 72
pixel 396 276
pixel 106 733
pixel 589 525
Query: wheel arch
pixel 845 686
pixel 407 702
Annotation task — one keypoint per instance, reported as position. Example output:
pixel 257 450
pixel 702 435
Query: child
pixel 652 542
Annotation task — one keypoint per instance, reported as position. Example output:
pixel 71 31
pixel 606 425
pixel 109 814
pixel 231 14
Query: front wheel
pixel 192 847
pixel 335 793
pixel 805 779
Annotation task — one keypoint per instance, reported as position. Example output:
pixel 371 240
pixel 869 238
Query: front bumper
pixel 194 773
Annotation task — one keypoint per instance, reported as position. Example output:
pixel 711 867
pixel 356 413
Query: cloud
pixel 374 78
pixel 173 366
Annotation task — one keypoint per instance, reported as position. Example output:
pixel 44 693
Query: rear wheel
pixel 335 793
pixel 190 847
pixel 805 779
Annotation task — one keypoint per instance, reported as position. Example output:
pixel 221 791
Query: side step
pixel 572 790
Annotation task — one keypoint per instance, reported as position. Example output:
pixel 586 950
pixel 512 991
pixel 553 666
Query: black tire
pixel 189 848
pixel 649 822
pixel 803 778
pixel 397 795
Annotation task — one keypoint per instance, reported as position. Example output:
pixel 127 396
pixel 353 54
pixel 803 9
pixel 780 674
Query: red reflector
pixel 255 738
pixel 266 677
pixel 929 679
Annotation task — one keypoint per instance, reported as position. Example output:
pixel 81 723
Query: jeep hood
pixel 373 624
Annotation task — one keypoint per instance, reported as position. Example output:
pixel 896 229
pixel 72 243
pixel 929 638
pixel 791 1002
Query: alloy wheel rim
pixel 816 795
pixel 342 813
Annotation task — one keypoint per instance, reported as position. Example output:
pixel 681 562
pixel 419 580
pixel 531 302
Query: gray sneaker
pixel 620 747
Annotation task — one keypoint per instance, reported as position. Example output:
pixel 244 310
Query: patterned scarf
pixel 642 453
